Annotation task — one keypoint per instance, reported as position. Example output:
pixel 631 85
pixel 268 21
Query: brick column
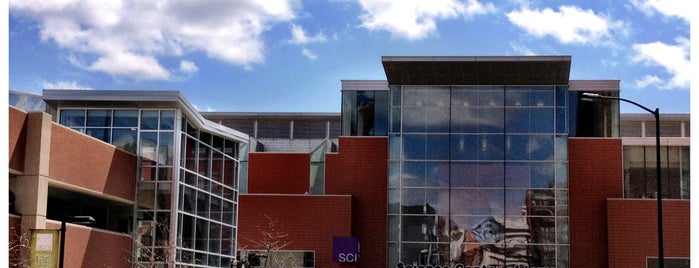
pixel 31 188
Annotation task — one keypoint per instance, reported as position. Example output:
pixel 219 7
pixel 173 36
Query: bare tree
pixel 270 247
pixel 154 248
pixel 19 248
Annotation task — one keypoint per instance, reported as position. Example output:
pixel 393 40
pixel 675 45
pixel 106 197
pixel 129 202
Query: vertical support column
pixel 31 188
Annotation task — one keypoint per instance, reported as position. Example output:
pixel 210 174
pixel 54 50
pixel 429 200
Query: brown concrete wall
pixel 360 169
pixel 633 230
pixel 17 138
pixel 595 174
pixel 308 222
pixel 83 161
pixel 87 247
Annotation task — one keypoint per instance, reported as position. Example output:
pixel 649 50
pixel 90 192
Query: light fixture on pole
pixel 71 219
pixel 659 194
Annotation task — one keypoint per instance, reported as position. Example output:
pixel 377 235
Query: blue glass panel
pixel 394 143
pixel 561 202
pixel 413 174
pixel 517 96
pixel 73 118
pixel 381 113
pixel 413 201
pixel 430 174
pixel 491 147
pixel 477 201
pixel 394 201
pixel 393 174
pixel 477 120
pixel 518 175
pixel 562 174
pixel 561 96
pixel 102 134
pixel 167 119
pixel 516 147
pixel 542 175
pixel 541 120
pixel 541 147
pixel 125 118
pixel 437 119
pixel 395 95
pixel 464 147
pixel 437 174
pixel 517 120
pixel 395 120
pixel 561 148
pixel 437 147
pixel 437 201
pixel 414 119
pixel 561 120
pixel 541 96
pixel 99 118
pixel 149 119
pixel 477 174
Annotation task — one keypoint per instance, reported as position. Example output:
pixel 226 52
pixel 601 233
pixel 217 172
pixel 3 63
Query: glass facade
pixel 640 172
pixel 478 176
pixel 185 212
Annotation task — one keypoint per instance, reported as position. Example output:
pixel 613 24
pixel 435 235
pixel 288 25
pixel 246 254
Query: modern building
pixel 169 179
pixel 449 162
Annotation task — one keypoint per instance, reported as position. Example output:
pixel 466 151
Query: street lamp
pixel 71 219
pixel 659 195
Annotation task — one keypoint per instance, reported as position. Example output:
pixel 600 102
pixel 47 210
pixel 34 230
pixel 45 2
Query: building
pixel 449 162
pixel 168 180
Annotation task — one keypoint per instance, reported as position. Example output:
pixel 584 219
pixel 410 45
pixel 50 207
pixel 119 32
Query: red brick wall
pixel 633 230
pixel 17 138
pixel 279 173
pixel 87 247
pixel 83 161
pixel 310 222
pixel 595 174
pixel 360 168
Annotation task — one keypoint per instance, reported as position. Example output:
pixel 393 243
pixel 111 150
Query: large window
pixel 117 127
pixel 640 171
pixel 478 176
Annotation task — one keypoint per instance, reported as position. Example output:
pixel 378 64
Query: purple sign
pixel 346 249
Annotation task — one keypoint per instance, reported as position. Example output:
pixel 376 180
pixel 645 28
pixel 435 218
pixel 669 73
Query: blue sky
pixel 290 56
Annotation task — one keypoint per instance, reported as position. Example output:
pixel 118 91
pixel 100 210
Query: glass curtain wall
pixel 198 227
pixel 208 199
pixel 478 176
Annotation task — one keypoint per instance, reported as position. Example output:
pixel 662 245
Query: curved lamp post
pixel 659 195
pixel 71 219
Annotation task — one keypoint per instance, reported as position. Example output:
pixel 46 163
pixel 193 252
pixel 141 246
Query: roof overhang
pixel 149 99
pixel 477 70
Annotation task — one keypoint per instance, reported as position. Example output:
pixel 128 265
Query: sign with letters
pixel 44 248
pixel 346 249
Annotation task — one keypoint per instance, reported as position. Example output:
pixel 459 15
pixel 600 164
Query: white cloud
pixel 127 37
pixel 670 8
pixel 63 85
pixel 298 36
pixel 673 58
pixel 309 54
pixel 648 80
pixel 569 25
pixel 188 67
pixel 416 19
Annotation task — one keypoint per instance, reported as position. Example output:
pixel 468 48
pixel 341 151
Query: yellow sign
pixel 44 248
